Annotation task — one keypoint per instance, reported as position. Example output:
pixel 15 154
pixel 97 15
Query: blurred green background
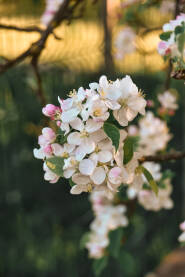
pixel 41 224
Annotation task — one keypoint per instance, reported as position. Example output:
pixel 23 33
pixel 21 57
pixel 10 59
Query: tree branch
pixel 22 29
pixel 163 157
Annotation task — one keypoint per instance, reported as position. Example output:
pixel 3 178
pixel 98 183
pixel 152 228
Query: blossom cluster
pixel 51 8
pixel 89 157
pixel 108 217
pixel 182 236
pixel 172 43
pixel 125 42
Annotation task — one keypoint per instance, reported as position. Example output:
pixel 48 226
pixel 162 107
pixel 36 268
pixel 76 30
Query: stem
pixel 164 157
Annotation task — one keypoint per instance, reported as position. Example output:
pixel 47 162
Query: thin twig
pixel 22 29
pixel 164 157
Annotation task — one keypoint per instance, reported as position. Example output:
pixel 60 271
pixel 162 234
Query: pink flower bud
pixel 150 103
pixel 161 111
pixel 50 110
pixel 59 123
pixel 182 226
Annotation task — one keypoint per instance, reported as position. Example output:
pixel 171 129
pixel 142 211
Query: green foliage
pixel 149 178
pixel 99 265
pixel 165 36
pixel 61 138
pixel 56 164
pixel 71 183
pixel 115 242
pixel 113 133
pixel 181 42
pixel 128 150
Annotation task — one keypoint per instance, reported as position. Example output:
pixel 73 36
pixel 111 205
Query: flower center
pixel 97 112
pixel 84 134
pixel 65 155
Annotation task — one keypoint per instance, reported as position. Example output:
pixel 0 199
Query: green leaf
pixel 181 41
pixel 178 30
pixel 128 150
pixel 149 178
pixel 84 240
pixel 71 183
pixel 115 242
pixel 99 265
pixel 55 164
pixel 61 138
pixel 165 36
pixel 113 133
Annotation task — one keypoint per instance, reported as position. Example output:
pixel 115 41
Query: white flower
pixel 49 175
pixel 168 100
pixel 182 236
pixel 125 42
pixel 150 201
pixel 154 134
pixel 131 101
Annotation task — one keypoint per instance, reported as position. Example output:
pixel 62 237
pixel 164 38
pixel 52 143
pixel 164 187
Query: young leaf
pixel 55 164
pixel 84 240
pixel 61 138
pixel 181 41
pixel 99 265
pixel 128 150
pixel 115 242
pixel 179 29
pixel 71 183
pixel 149 178
pixel 165 36
pixel 113 133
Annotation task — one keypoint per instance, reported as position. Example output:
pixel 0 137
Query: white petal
pixel 69 115
pixel 80 153
pixel 69 147
pixel 80 179
pixel 77 189
pixel 94 86
pixel 120 116
pixel 57 149
pixel 86 167
pixel 39 153
pixel 65 127
pixel 74 138
pixel 98 176
pixel 113 105
pixel 81 94
pixel 68 173
pixel 66 104
pixel 77 124
pixel 103 81
pixel 93 126
pixel 98 136
pixel 104 156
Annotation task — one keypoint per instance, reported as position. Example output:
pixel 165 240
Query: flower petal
pixel 86 167
pixel 80 179
pixel 74 138
pixel 98 176
pixel 104 156
pixel 93 126
pixel 77 124
pixel 69 115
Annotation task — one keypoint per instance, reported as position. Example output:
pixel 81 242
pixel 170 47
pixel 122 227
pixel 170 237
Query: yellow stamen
pixel 50 165
pixel 65 155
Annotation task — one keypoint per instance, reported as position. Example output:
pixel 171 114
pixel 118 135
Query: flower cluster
pixel 51 8
pixel 125 42
pixel 107 218
pixel 153 137
pixel 92 155
pixel 182 236
pixel 168 102
pixel 172 43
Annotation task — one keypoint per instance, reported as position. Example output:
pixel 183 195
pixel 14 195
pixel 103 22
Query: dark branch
pixel 163 157
pixel 22 29
pixel 64 12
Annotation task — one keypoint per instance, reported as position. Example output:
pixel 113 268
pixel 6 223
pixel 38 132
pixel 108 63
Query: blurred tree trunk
pixel 108 58
pixel 172 266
